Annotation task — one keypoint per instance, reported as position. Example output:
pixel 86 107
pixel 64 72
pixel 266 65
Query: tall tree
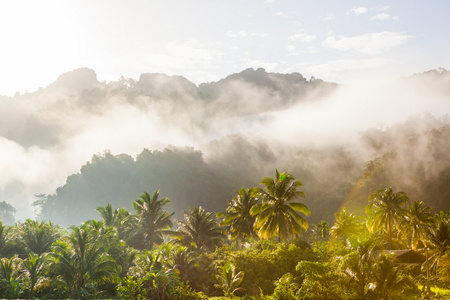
pixel 229 280
pixel 152 280
pixel 34 268
pixel 109 216
pixel 82 260
pixel 388 278
pixel 151 219
pixel 182 260
pixel 279 214
pixel 199 228
pixel 386 209
pixel 438 239
pixel 322 229
pixel 4 240
pixel 357 266
pixel 46 206
pixel 9 277
pixel 237 219
pixel 37 237
pixel 418 218
pixel 7 212
pixel 346 224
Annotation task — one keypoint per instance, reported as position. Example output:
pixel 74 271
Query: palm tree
pixel 4 240
pixel 228 280
pixel 109 216
pixel 146 262
pixel 116 219
pixel 386 210
pixel 199 229
pixel 102 232
pixel 151 220
pixel 9 277
pixel 388 277
pixel 152 279
pixel 34 268
pixel 237 219
pixel 37 237
pixel 279 214
pixel 82 260
pixel 418 218
pixel 183 261
pixel 346 224
pixel 322 229
pixel 357 267
pixel 123 255
pixel 438 240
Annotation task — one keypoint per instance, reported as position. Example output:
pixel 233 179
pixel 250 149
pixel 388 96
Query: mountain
pixel 332 177
pixel 255 91
pixel 198 144
pixel 75 82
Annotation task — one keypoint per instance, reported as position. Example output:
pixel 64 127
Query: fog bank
pixel 266 120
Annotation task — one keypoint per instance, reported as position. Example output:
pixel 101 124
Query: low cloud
pixel 79 117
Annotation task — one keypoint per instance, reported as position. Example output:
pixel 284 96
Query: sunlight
pixel 41 43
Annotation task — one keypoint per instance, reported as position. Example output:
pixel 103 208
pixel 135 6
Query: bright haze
pixel 50 125
pixel 338 41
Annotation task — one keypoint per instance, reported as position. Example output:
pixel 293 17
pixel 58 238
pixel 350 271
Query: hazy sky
pixel 42 142
pixel 206 40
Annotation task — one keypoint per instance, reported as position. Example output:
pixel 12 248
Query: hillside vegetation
pixel 259 247
pixel 409 155
pixel 258 186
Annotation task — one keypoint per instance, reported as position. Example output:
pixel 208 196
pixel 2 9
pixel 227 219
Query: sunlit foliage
pixel 127 256
pixel 237 219
pixel 279 214
pixel 199 230
pixel 387 210
pixel 151 220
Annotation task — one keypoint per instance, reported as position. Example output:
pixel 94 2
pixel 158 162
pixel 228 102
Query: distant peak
pixel 75 81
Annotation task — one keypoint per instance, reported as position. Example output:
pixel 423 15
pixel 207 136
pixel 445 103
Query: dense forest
pixel 358 212
pixel 414 161
pixel 227 141
pixel 259 247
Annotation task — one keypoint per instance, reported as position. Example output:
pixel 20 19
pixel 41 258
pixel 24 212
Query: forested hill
pixel 51 114
pixel 197 144
pixel 332 178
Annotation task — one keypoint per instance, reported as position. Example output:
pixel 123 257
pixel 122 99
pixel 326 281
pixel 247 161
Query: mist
pixel 313 129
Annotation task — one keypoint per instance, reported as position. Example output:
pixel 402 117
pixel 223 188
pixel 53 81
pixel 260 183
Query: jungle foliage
pixel 141 255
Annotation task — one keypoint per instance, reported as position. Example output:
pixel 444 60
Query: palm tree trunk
pixel 279 234
pixel 389 232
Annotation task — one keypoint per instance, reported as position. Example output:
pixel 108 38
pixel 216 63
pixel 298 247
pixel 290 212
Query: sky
pixel 204 40
pixel 347 42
